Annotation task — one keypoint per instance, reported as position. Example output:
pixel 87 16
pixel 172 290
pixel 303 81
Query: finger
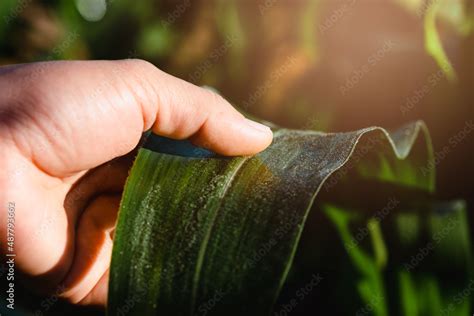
pixel 92 252
pixel 77 115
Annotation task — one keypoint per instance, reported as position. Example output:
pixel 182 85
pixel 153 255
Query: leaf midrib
pixel 215 211
pixel 204 244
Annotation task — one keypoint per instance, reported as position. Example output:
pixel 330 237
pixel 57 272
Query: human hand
pixel 63 127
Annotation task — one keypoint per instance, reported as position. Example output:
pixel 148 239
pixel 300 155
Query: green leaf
pixel 371 283
pixel 308 29
pixel 199 233
pixel 9 9
pixel 432 270
pixel 433 43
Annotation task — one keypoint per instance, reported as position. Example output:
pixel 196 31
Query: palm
pixel 65 211
pixel 64 130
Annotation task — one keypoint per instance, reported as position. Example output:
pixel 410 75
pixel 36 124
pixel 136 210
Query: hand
pixel 63 126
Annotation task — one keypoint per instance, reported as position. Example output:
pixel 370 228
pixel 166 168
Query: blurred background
pixel 330 65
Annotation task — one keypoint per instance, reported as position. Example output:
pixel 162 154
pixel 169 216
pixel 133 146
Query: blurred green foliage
pixel 296 63
pixel 286 61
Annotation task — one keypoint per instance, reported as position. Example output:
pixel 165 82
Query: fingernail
pixel 257 126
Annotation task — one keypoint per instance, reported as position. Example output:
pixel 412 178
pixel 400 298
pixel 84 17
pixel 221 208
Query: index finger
pixel 75 115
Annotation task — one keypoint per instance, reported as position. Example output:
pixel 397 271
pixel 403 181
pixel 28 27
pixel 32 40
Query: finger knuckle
pixel 140 65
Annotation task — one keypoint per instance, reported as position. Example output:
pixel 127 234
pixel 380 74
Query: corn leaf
pixel 209 235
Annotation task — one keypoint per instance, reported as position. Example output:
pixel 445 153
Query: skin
pixel 68 131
